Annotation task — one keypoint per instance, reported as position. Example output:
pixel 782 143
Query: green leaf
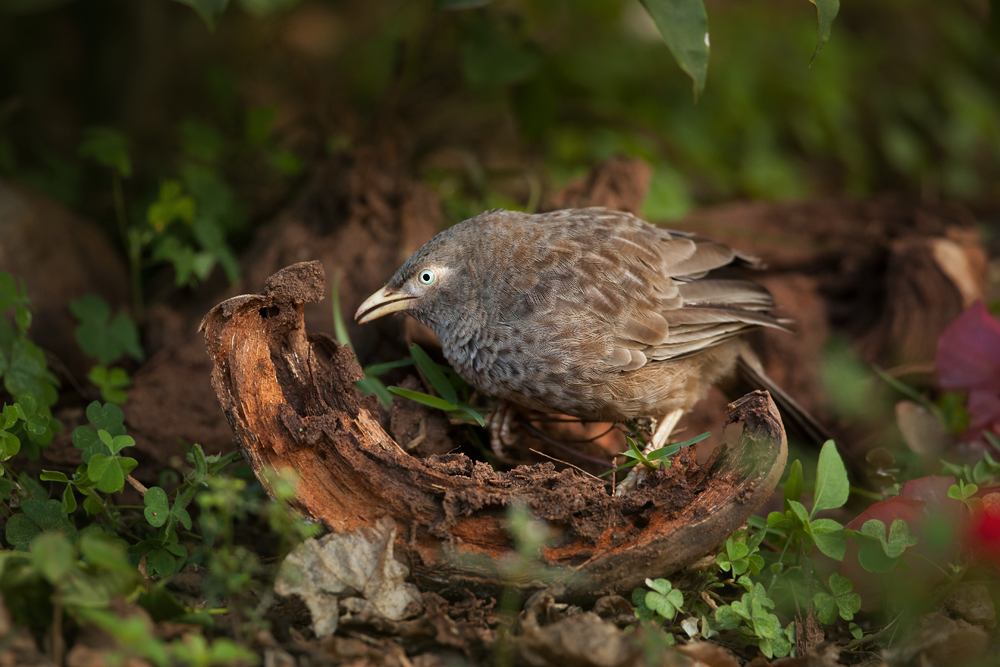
pixel 832 486
pixel 107 417
pixel 21 530
pixel 87 441
pixel 162 562
pixel 684 27
pixel 53 476
pixel 434 374
pixel 899 538
pixel 101 336
pixel 69 499
pixel 372 385
pixel 22 317
pixel 379 369
pixel 799 511
pixel 201 141
pixel 793 485
pixel 107 147
pixel 157 507
pixel 466 409
pixel 208 10
pixel 112 383
pixel 842 603
pixel 339 328
pixel 8 291
pixel 171 206
pixel 826 12
pixel 53 556
pixel 424 399
pixel 663 599
pixel 829 537
pixel 106 473
pixel 10 445
pixel 872 554
pixel 727 617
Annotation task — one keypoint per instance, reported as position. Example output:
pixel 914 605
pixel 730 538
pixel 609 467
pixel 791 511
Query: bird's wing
pixel 663 292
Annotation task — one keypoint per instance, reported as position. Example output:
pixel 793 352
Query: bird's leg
pixel 659 441
pixel 500 422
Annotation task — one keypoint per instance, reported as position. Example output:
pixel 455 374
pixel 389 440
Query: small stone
pixel 972 603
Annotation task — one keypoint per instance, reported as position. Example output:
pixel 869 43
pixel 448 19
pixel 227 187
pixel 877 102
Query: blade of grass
pixel 339 329
pixel 910 393
pixel 379 369
pixel 472 412
pixel 435 374
pixel 372 385
pixel 424 399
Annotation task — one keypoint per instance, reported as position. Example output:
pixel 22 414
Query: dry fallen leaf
pixel 355 563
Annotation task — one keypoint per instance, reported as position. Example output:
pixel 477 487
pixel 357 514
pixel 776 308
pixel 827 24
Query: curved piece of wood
pixel 291 402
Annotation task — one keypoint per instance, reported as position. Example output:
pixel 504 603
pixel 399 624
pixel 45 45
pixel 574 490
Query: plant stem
pixel 133 247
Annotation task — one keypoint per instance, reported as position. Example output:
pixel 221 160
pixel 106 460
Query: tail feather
pixel 752 373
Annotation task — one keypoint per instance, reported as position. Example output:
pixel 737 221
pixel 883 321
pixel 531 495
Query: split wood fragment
pixel 290 399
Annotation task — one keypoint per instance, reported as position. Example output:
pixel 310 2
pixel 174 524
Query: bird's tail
pixel 797 419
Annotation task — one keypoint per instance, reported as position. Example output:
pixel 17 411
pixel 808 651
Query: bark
pixel 291 402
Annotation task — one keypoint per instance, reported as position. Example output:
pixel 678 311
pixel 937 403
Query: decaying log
pixel 291 402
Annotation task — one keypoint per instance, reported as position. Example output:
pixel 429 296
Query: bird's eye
pixel 426 277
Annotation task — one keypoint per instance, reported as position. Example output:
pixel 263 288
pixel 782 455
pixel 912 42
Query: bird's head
pixel 429 279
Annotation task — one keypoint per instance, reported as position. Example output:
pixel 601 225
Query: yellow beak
pixel 381 303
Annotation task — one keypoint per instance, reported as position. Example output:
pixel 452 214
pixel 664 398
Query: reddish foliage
pixel 982 535
pixel 968 359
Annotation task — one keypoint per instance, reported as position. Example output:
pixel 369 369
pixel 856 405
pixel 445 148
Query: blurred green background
pixel 494 103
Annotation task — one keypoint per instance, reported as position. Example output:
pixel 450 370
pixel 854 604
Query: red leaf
pixel 968 351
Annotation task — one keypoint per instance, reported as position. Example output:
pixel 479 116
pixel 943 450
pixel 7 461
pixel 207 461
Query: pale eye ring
pixel 426 277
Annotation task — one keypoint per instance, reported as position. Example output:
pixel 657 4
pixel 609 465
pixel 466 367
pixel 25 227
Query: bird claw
pixel 502 431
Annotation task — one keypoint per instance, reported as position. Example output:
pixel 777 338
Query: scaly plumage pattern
pixel 587 312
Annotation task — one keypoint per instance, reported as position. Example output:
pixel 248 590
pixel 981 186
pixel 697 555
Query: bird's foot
pixel 501 424
pixel 660 437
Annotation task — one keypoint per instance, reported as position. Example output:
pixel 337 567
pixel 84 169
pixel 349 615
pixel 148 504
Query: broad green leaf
pixel 832 486
pixel 793 485
pixel 684 27
pixel 871 551
pixel 829 537
pixel 434 374
pixel 107 417
pixel 826 12
pixel 727 617
pixel 53 556
pixel 157 507
pixel 899 539
pixel 21 530
pixel 10 445
pixel 161 561
pixel 664 600
pixel 8 291
pixel 87 441
pixel 106 473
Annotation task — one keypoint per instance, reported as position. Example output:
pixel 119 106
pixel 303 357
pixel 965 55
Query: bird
pixel 590 312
